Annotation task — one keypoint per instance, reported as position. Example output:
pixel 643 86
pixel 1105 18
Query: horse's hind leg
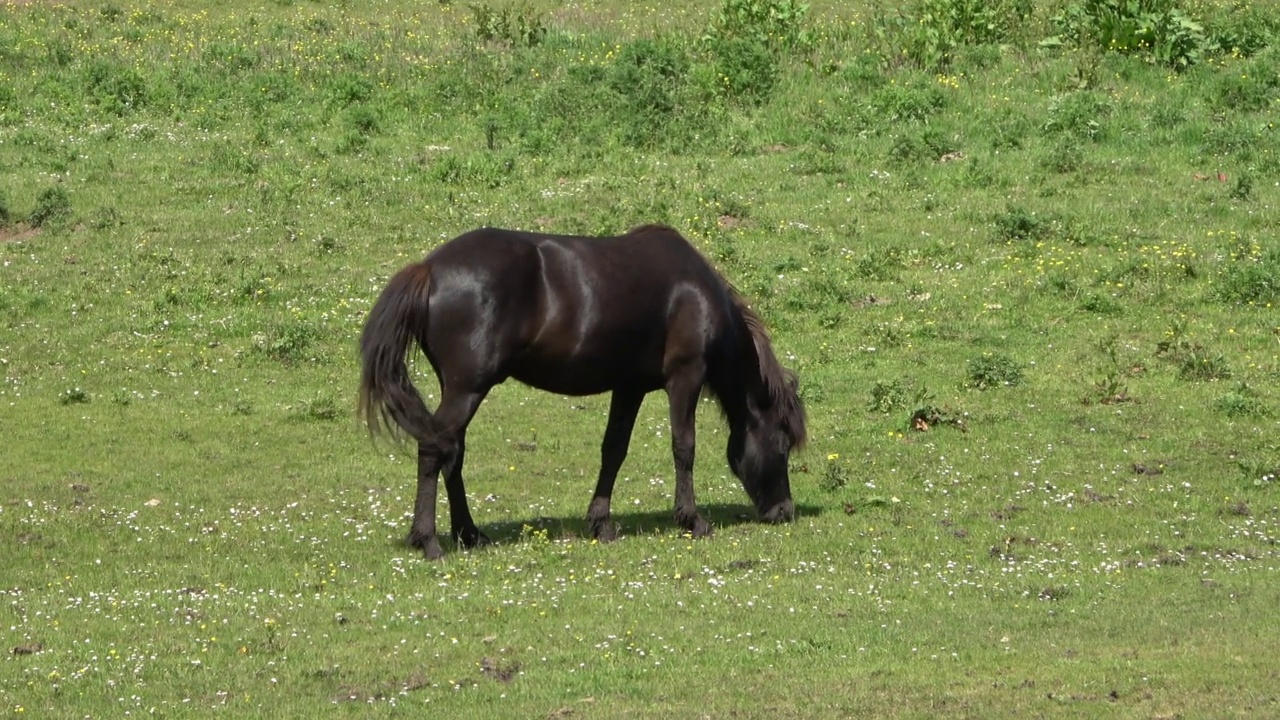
pixel 445 452
pixel 422 534
pixel 623 407
pixel 455 413
pixel 464 531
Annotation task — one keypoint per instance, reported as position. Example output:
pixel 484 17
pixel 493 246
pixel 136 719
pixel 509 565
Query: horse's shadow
pixel 630 523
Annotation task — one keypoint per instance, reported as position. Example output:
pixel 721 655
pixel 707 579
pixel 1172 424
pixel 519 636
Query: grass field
pixel 1022 256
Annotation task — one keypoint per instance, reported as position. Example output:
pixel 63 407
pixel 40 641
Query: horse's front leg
pixel 464 531
pixel 682 394
pixel 623 407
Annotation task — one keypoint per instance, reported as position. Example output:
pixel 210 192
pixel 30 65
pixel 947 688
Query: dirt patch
pixel 503 672
pixel 17 233
pixel 383 690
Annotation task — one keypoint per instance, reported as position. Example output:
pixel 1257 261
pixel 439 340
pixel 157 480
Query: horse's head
pixel 766 419
pixel 760 447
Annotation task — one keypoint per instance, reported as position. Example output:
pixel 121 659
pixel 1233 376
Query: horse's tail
pixel 388 397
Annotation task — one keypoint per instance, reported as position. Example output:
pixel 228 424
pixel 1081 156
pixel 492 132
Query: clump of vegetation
pixel 1244 401
pixel 53 206
pixel 992 369
pixel 291 341
pixel 1111 388
pixel 749 39
pixel 835 475
pixel 887 396
pixel 1193 360
pixel 649 78
pixel 73 396
pixel 778 25
pixel 1259 473
pixel 518 24
pixel 321 408
pixel 1018 223
pixel 929 34
pixel 1157 29
pixel 1251 281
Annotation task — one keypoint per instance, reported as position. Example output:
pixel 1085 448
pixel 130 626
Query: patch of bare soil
pixel 17 233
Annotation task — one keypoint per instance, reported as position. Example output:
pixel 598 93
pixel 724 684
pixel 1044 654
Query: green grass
pixel 1029 288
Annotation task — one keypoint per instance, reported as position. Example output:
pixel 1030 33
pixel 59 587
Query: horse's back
pixel 582 315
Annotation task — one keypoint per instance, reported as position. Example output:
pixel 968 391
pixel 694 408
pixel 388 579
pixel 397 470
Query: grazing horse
pixel 578 316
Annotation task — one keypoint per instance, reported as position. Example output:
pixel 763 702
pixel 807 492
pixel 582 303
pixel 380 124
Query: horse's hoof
pixel 701 528
pixel 783 512
pixel 604 531
pixel 471 538
pixel 428 544
pixel 432 551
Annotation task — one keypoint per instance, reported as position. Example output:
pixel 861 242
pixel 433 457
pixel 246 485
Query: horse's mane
pixel 780 384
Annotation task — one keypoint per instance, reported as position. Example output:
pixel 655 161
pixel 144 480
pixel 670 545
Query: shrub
pixel 1243 401
pixel 745 68
pixel 835 475
pixel 53 205
pixel 990 370
pixel 907 103
pixel 1079 114
pixel 289 342
pixel 1197 364
pixel 1066 156
pixel 321 408
pixel 1155 28
pixel 1251 282
pixel 1018 224
pixel 229 55
pixel 774 24
pixel 117 89
pixel 348 89
pixel 1243 28
pixel 887 396
pixel 1253 88
pixel 649 77
pixel 517 25
pixel 73 396
pixel 929 34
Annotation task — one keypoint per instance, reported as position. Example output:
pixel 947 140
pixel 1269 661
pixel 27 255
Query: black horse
pixel 578 316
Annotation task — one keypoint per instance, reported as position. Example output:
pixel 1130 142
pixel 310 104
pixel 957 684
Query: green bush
pixel 930 33
pixel 1243 402
pixel 118 89
pixel 745 68
pixel 887 396
pixel 517 25
pixel 1079 113
pixel 907 102
pixel 1158 29
pixel 992 370
pixel 649 77
pixel 775 24
pixel 1243 28
pixel 1017 223
pixel 1250 282
pixel 53 205
pixel 1254 88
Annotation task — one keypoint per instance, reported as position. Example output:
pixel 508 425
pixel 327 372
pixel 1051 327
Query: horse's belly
pixel 587 376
